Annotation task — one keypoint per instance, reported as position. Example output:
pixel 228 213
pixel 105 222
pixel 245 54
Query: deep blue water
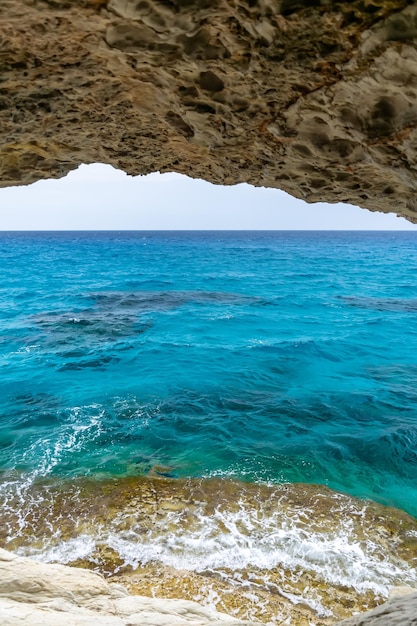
pixel 262 356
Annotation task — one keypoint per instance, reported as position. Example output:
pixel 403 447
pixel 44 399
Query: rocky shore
pixel 37 594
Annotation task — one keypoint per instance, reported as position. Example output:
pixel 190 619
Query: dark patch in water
pixel 152 301
pixel 92 363
pixel 402 305
pixel 91 322
pixel 36 399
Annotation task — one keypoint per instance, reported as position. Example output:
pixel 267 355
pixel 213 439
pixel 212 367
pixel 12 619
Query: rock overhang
pixel 318 98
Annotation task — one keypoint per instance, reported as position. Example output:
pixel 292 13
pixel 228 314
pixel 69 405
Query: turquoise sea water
pixel 274 357
pixel 182 401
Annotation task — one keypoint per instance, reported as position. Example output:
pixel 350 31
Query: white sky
pixel 98 197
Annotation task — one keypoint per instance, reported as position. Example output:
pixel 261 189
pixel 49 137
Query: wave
pixel 301 543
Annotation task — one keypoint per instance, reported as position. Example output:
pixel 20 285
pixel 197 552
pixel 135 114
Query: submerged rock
pixel 44 595
pixel 401 611
pixel 316 98
pixel 286 554
pixel 38 594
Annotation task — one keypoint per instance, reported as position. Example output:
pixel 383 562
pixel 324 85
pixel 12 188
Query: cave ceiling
pixel 316 98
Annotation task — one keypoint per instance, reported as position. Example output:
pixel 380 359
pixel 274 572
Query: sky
pixel 98 197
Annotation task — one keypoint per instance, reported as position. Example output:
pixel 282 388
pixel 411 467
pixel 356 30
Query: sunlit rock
pixel 41 595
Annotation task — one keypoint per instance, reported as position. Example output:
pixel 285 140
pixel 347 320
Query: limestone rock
pixel 36 594
pixel 400 611
pixel 318 98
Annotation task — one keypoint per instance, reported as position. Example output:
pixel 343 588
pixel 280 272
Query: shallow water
pixel 256 551
pixel 259 357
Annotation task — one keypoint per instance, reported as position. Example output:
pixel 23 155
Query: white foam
pixel 283 545
pixel 72 436
pixel 290 551
pixel 45 454
pixel 249 540
pixel 80 547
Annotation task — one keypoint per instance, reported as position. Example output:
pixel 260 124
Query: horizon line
pixel 208 230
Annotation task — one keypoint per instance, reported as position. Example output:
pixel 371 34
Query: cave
pixel 318 99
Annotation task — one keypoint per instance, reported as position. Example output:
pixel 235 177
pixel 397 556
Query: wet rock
pixel 400 611
pixel 296 554
pixel 40 595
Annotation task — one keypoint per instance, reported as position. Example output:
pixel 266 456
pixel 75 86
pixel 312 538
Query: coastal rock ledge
pixel 315 97
pixel 38 594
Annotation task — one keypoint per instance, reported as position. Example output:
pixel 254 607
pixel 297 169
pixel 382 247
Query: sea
pixel 229 417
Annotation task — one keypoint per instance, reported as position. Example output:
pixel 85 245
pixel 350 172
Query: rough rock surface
pixel 400 611
pixel 36 594
pixel 316 97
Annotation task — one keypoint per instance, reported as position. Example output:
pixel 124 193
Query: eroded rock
pixel 45 595
pixel 41 594
pixel 400 611
pixel 315 98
